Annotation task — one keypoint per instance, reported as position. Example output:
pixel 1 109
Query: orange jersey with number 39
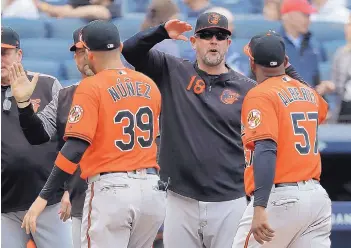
pixel 287 112
pixel 117 112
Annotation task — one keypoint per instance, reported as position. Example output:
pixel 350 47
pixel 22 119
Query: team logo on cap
pixel 229 96
pixel 254 118
pixel 213 18
pixel 75 114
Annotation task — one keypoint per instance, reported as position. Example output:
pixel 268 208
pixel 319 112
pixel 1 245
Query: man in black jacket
pixel 201 153
pixel 25 168
pixel 52 122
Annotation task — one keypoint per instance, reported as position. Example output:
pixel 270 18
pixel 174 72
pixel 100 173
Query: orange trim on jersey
pixel 79 136
pixel 64 164
pixel 247 239
pixel 261 137
pixel 89 213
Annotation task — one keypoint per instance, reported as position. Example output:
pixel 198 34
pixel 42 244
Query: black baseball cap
pixel 9 38
pixel 210 20
pixel 266 49
pixel 77 42
pixel 100 35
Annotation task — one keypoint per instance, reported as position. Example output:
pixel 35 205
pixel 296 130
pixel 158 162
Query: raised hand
pixel 22 89
pixel 176 28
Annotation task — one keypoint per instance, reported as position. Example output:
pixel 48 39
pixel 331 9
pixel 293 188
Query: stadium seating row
pixel 246 26
pixel 46 41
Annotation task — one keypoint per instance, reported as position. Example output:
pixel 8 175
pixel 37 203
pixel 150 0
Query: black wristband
pixel 28 110
pixel 25 101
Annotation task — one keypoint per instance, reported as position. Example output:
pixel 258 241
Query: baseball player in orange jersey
pixel 280 119
pixel 113 122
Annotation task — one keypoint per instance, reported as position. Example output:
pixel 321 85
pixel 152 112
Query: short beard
pixel 213 61
pixel 87 71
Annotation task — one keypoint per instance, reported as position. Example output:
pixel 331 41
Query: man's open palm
pixel 22 89
pixel 176 28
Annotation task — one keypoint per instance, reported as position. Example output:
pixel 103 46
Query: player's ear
pixel 286 61
pixel 193 42
pixel 90 55
pixel 229 42
pixel 121 47
pixel 252 66
pixel 19 55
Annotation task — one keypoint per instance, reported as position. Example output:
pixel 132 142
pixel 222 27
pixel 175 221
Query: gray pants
pixel 76 231
pixel 190 223
pixel 122 210
pixel 299 215
pixel 51 231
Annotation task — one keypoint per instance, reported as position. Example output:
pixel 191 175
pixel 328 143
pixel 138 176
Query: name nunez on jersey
pixel 129 88
pixel 294 94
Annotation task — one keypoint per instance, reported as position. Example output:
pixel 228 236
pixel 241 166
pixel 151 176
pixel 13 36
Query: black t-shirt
pixel 25 168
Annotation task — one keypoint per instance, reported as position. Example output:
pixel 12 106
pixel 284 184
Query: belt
pixel 151 171
pixel 292 184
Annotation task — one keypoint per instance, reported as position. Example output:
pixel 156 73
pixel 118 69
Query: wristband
pixel 25 101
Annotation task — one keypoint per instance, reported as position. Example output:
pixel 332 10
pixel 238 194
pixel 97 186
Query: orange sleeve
pixel 322 109
pixel 83 116
pixel 64 164
pixel 259 120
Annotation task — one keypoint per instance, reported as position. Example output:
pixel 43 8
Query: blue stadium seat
pixel 186 51
pixel 63 28
pixel 56 2
pixel 238 45
pixel 136 6
pixel 331 47
pixel 52 49
pixel 70 70
pixel 239 6
pixel 247 28
pixel 49 67
pixel 327 31
pixel 325 70
pixel 69 82
pixel 129 25
pixel 26 28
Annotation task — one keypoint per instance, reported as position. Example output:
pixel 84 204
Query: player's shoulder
pixel 135 75
pixel 88 84
pixel 260 90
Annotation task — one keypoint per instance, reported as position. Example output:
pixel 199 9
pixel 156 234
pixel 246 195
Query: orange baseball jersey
pixel 117 112
pixel 288 112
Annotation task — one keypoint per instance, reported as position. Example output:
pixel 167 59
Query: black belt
pixel 291 184
pixel 151 171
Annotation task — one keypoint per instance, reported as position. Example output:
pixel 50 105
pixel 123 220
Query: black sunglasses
pixel 208 35
pixel 6 106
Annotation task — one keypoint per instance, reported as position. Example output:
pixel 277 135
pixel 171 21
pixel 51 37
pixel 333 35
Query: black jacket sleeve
pixel 73 150
pixel 137 51
pixel 264 162
pixel 32 126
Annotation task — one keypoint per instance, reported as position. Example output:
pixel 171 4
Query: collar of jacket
pixel 221 77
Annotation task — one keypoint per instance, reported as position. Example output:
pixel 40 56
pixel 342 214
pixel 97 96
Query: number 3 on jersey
pixel 299 129
pixel 135 121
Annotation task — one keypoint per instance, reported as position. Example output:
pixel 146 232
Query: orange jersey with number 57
pixel 288 112
pixel 117 112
